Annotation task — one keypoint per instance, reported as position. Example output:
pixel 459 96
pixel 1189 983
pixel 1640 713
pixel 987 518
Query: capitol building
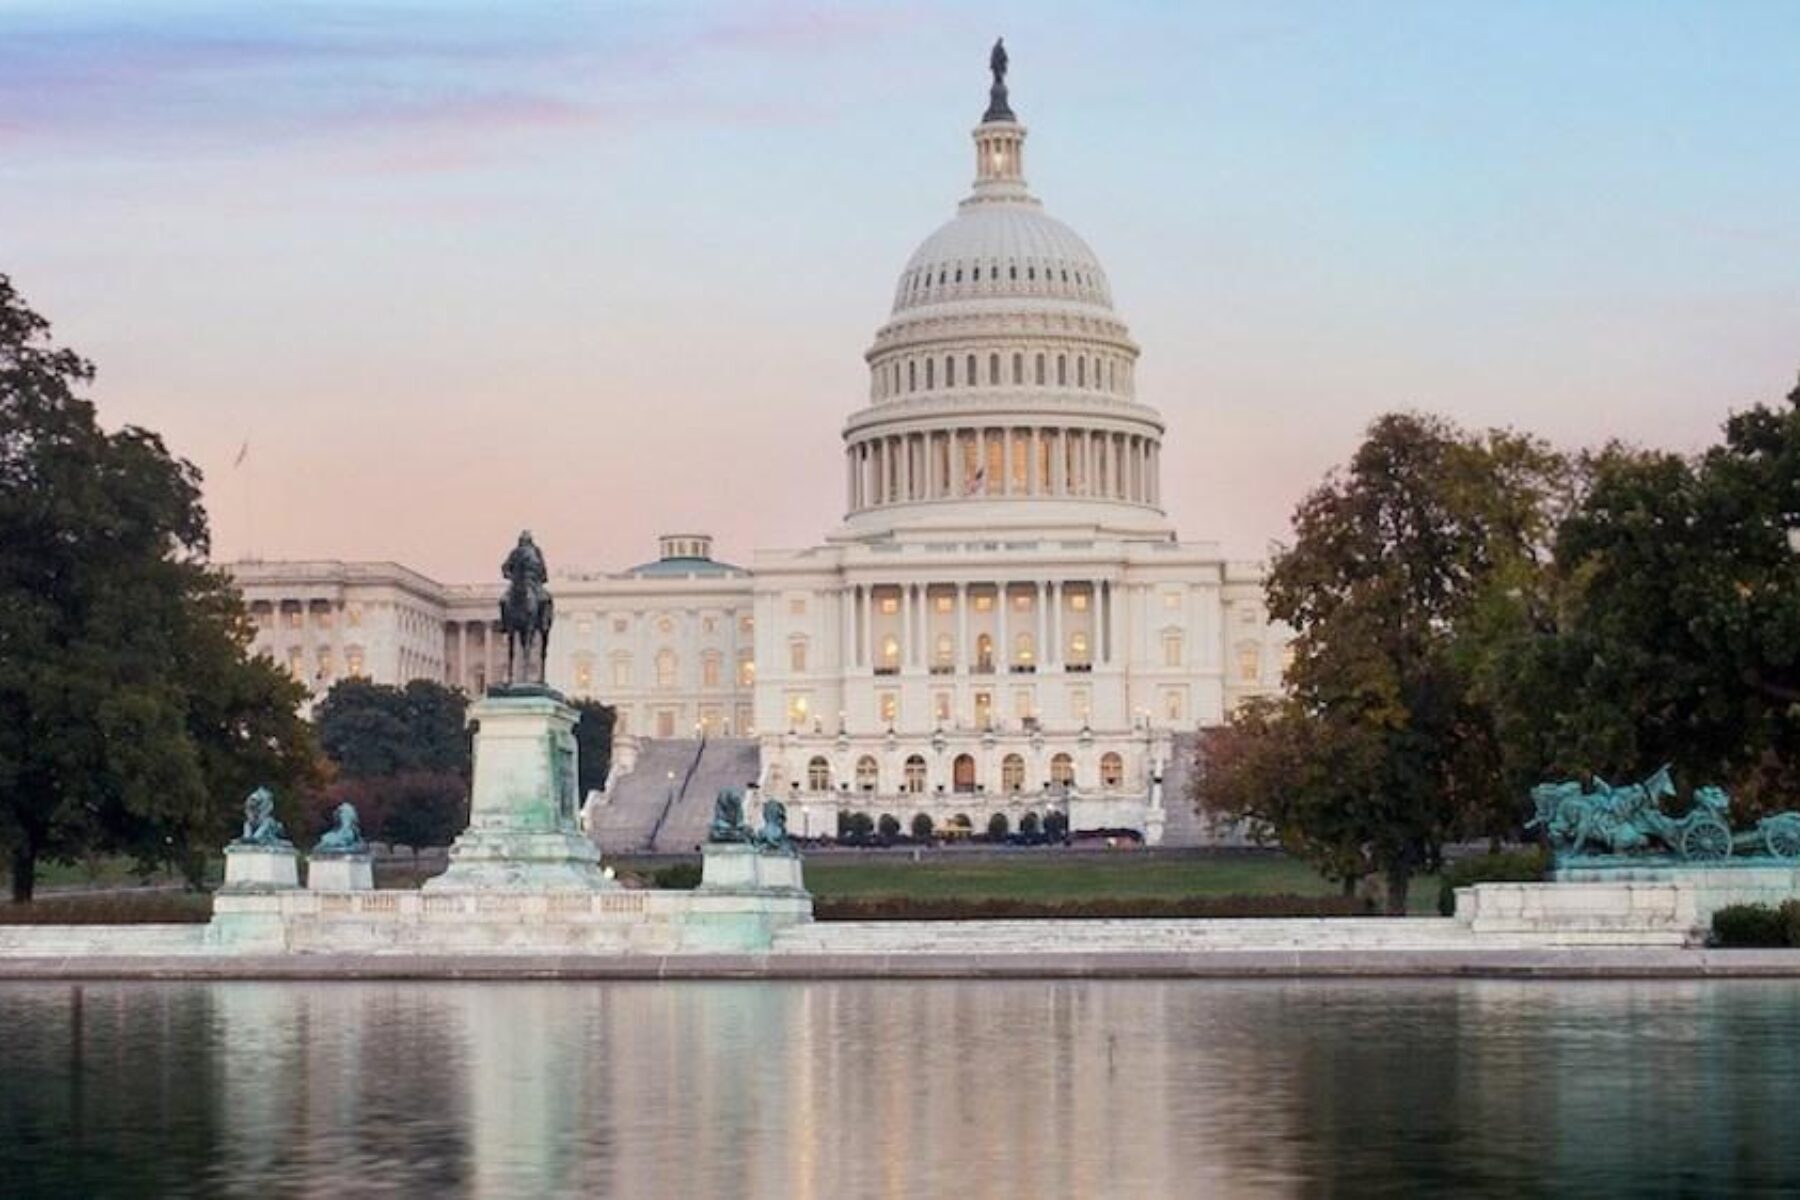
pixel 1003 620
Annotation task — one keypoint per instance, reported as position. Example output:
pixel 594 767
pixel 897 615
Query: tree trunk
pixel 1398 880
pixel 1349 885
pixel 24 871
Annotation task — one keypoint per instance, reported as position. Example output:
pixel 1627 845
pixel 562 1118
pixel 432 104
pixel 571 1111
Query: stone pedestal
pixel 250 868
pixel 736 867
pixel 340 872
pixel 523 829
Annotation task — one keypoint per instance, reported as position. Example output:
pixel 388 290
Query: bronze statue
pixel 260 826
pixel 526 610
pixel 345 837
pixel 998 109
pixel 773 835
pixel 728 817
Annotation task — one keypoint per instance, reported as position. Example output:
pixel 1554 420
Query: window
pixel 798 705
pixel 1080 371
pixel 746 624
pixel 621 672
pixel 1172 648
pixel 1024 650
pixel 1112 770
pixel 890 604
pixel 708 625
pixel 949 371
pixel 969 378
pixel 1078 601
pixel 945 603
pixel 818 775
pixel 1172 600
pixel 665 668
pixel 584 674
pixel 1024 704
pixel 1012 773
pixel 984 602
pixel 324 662
pixel 915 774
pixel 868 774
pixel 1062 370
pixel 584 626
pixel 746 669
pixel 797 656
pixel 665 625
pixel 665 722
pixel 962 773
pixel 940 707
pixel 984 653
pixel 912 375
pixel 1081 705
pixel 1062 770
pixel 353 661
pixel 709 670
pixel 930 373
pixel 984 709
pixel 1287 658
pixel 1021 601
pixel 1078 648
pixel 797 606
pixel 1018 375
pixel 1174 706
pixel 1249 657
pixel 295 618
pixel 993 369
pixel 1040 368
pixel 944 653
pixel 889 706
pixel 890 652
pixel 322 618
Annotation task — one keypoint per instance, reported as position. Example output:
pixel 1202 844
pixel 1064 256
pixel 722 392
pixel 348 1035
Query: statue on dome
pixel 526 611
pixel 998 109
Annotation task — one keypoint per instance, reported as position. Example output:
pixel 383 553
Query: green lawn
pixel 1063 878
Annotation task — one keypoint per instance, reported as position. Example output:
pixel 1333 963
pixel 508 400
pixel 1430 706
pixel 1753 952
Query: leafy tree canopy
pixel 131 718
pixel 374 730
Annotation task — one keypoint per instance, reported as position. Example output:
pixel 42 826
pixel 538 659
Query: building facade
pixel 1004 620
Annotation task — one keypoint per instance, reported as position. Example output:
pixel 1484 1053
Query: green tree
pixel 373 730
pixel 1401 568
pixel 1673 628
pixel 997 827
pixel 131 718
pixel 593 744
pixel 922 826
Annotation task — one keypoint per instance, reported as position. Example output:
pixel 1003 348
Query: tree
pixel 413 808
pixel 921 826
pixel 888 825
pixel 1673 634
pixel 593 744
pixel 1402 568
pixel 1056 825
pixel 997 827
pixel 131 718
pixel 374 730
pixel 1028 825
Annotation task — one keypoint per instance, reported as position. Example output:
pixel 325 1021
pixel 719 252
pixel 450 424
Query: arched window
pixel 1112 770
pixel 984 653
pixel 912 375
pixel 665 668
pixel 1012 774
pixel 993 370
pixel 962 773
pixel 1040 368
pixel 709 669
pixel 930 373
pixel 1080 371
pixel 1062 771
pixel 1018 368
pixel 1062 370
pixel 1012 270
pixel 949 370
pixel 868 773
pixel 969 379
pixel 818 775
pixel 915 774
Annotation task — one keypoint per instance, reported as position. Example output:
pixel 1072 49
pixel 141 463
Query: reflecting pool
pixel 954 1089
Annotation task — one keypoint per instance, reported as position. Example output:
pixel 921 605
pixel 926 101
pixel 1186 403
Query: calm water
pixel 1132 1089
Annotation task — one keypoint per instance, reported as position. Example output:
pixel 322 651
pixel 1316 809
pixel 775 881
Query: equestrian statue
pixel 526 612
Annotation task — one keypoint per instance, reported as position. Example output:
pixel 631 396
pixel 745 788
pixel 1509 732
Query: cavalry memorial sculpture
pixel 1629 822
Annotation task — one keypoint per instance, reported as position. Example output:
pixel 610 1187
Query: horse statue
pixel 526 610
pixel 260 826
pixel 345 837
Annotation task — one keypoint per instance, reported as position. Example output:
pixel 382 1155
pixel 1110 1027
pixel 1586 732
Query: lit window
pixel 890 651
pixel 1024 704
pixel 584 675
pixel 1249 663
pixel 1173 705
pixel 984 603
pixel 746 624
pixel 1024 650
pixel 797 707
pixel 1012 773
pixel 890 604
pixel 890 707
pixel 296 618
pixel 818 775
pixel 944 654
pixel 1078 647
pixel 353 661
pixel 746 674
pixel 1062 770
pixel 1080 705
pixel 940 706
pixel 1079 601
pixel 945 604
pixel 1171 600
pixel 295 659
pixel 1022 602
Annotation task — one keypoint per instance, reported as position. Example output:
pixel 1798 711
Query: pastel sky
pixel 607 270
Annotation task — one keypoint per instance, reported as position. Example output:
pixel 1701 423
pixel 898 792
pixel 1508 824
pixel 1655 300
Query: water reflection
pixel 1051 1089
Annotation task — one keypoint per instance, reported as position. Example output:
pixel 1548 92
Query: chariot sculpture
pixel 1630 821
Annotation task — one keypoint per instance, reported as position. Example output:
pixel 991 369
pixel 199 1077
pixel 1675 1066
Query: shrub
pixel 1508 866
pixel 888 826
pixel 921 826
pixel 952 908
pixel 997 827
pixel 1056 825
pixel 1790 919
pixel 1744 926
pixel 682 876
pixel 1028 825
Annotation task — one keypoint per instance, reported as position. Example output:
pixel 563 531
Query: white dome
pixel 1002 251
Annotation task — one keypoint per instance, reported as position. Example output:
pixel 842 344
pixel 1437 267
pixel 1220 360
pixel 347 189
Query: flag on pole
pixel 242 451
pixel 975 479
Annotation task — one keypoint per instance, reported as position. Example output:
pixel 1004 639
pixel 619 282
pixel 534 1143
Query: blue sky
pixel 606 269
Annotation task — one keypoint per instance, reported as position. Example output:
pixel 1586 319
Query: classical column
pixel 1103 621
pixel 906 615
pixel 1043 628
pixel 847 626
pixel 1052 651
pixel 962 629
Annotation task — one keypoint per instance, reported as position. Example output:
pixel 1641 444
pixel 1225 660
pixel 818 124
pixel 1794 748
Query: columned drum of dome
pixel 1002 389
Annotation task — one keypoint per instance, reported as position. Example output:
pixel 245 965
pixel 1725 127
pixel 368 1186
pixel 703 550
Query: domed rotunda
pixel 1002 389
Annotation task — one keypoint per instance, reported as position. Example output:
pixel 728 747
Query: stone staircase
pixel 723 762
pixel 984 938
pixel 628 819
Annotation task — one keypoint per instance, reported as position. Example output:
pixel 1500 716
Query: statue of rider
pixel 526 574
pixel 527 561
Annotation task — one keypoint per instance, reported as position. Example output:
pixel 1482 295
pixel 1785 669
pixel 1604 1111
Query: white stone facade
pixel 1003 621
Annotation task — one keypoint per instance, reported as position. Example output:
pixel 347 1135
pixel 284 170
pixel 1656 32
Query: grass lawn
pixel 1067 878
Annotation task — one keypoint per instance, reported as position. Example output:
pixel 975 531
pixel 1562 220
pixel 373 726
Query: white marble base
pixel 261 868
pixel 524 832
pixel 735 867
pixel 1660 913
pixel 340 872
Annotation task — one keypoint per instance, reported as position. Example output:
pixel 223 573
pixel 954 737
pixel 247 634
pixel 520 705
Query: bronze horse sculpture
pixel 526 610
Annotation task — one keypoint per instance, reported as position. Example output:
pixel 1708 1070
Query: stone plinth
pixel 251 868
pixel 340 872
pixel 1621 913
pixel 736 867
pixel 523 831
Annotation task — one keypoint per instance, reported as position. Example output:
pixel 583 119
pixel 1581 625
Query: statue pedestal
pixel 340 873
pixel 523 831
pixel 253 868
pixel 737 867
